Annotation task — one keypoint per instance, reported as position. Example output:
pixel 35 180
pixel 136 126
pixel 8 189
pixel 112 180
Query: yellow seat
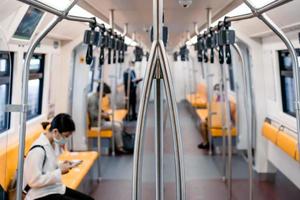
pixel 9 158
pixel 77 174
pixel 216 119
pixel 287 143
pixel 119 114
pixel 202 114
pixel 217 132
pixel 270 132
pixel 297 155
pixel 196 100
pixel 93 133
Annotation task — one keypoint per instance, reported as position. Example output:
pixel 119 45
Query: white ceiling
pixel 138 13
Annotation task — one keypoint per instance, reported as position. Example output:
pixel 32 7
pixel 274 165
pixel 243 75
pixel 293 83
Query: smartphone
pixel 75 163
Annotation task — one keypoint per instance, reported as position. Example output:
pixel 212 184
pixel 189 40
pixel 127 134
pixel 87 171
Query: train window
pixel 286 79
pixel 35 85
pixel 6 63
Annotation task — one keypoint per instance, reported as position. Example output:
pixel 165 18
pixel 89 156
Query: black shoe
pixel 203 146
pixel 121 151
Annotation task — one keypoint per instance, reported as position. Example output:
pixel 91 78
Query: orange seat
pixel 287 143
pixel 219 132
pixel 9 157
pixel 75 176
pixel 270 132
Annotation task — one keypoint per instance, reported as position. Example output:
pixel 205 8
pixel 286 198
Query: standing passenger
pixel 42 173
pixel 130 83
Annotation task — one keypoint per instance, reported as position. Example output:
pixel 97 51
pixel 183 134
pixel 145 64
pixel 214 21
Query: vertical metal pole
pixel 248 103
pixel 157 30
pixel 208 90
pixel 139 140
pixel 24 100
pixel 101 79
pixel 159 134
pixel 114 85
pixel 174 117
pixel 228 130
pixel 223 119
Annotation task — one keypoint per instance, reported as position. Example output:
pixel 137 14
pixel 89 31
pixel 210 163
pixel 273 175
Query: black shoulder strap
pixel 27 187
pixel 40 146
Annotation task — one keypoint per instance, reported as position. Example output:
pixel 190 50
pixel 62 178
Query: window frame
pixel 38 75
pixel 6 78
pixel 283 73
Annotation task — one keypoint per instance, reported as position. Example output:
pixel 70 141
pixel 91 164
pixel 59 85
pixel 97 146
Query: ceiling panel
pixel 138 13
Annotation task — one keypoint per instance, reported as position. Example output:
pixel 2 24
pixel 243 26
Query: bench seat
pixel 218 132
pixel 283 140
pixel 77 174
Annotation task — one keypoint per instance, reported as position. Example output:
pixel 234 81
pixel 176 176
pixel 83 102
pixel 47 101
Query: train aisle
pixel 203 172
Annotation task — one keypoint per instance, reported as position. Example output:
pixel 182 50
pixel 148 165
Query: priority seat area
pixel 74 179
pixel 282 139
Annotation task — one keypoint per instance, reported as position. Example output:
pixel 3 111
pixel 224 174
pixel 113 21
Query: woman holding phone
pixel 42 172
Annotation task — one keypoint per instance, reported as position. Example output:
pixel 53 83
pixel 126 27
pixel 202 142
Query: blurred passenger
pixel 42 172
pixel 130 82
pixel 106 124
pixel 204 125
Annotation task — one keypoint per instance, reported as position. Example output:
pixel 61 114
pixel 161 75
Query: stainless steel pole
pixel 159 135
pixel 248 105
pixel 228 131
pixel 114 85
pixel 140 132
pixel 223 120
pixel 208 89
pixel 24 101
pixel 175 126
pixel 157 30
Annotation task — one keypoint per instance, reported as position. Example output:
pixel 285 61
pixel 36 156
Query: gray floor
pixel 203 172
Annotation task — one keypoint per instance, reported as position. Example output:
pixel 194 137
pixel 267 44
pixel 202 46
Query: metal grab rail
pixel 248 102
pixel 296 71
pixel 24 101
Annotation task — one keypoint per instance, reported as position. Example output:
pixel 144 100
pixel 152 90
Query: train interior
pixel 217 95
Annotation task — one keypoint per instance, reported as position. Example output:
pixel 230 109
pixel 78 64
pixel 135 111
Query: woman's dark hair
pixel 62 122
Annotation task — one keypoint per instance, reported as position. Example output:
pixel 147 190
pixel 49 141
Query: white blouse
pixel 42 180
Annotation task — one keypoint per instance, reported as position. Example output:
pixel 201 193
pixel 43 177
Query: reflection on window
pixel 35 85
pixel 35 64
pixel 33 98
pixel 4 123
pixel 6 64
pixel 92 74
pixel 2 65
pixel 287 81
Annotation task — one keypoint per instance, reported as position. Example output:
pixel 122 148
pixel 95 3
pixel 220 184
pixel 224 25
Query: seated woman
pixel 42 173
pixel 106 124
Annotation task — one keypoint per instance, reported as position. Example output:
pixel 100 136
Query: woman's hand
pixel 65 167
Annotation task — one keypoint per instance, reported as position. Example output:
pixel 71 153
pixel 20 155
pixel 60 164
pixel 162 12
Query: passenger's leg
pixel 134 114
pixel 118 130
pixel 75 195
pixel 204 134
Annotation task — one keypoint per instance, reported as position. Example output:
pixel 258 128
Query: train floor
pixel 203 172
